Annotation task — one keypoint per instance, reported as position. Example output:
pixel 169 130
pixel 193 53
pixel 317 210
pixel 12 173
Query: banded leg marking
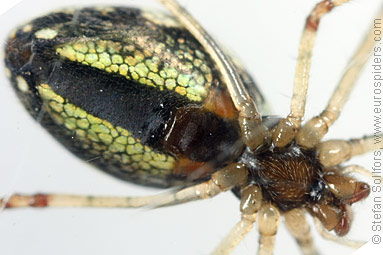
pixel 316 128
pixel 222 180
pixel 288 127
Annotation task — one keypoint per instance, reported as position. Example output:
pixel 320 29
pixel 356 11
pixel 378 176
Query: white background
pixel 265 35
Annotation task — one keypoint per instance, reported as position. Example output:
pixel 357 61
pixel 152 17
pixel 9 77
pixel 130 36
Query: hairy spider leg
pixel 288 127
pixel 251 201
pixel 298 226
pixel 340 240
pixel 334 152
pixel 268 223
pixel 222 180
pixel 360 170
pixel 316 128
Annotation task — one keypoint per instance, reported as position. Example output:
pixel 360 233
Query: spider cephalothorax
pixel 293 177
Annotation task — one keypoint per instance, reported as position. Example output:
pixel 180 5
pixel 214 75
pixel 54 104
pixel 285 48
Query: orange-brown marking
pixel 191 169
pixel 320 9
pixel 219 102
pixel 37 200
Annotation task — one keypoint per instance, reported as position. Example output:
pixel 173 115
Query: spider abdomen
pixel 137 96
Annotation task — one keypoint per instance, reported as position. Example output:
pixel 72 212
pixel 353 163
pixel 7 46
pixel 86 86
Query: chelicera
pixel 282 169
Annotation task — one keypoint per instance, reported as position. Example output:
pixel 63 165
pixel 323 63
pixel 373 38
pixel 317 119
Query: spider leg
pixel 237 233
pixel 287 128
pixel 334 152
pixel 222 180
pixel 251 200
pixel 315 129
pixel 298 226
pixel 268 222
pixel 253 132
pixel 360 170
pixel 340 240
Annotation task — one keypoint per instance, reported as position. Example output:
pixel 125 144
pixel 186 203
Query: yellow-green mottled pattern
pixel 161 64
pixel 100 138
pixel 151 49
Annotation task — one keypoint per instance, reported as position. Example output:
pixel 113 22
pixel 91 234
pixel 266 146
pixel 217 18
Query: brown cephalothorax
pixel 293 177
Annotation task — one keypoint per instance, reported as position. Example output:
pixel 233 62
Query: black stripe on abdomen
pixel 142 110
